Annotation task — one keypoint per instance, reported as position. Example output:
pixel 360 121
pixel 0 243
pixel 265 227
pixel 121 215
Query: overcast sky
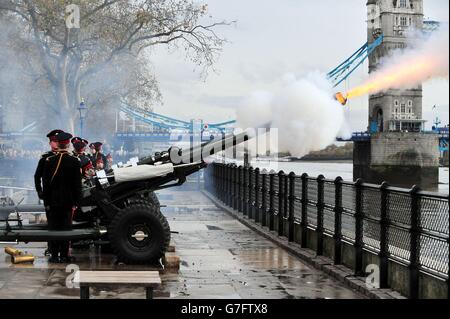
pixel 274 38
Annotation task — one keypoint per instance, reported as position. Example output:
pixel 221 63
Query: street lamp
pixel 83 110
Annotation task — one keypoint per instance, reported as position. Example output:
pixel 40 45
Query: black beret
pixel 61 137
pixel 76 139
pixel 97 145
pixel 78 145
pixel 54 133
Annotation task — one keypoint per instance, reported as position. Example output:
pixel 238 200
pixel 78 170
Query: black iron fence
pixel 407 227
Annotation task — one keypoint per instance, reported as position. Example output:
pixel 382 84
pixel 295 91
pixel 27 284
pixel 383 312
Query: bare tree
pixel 113 33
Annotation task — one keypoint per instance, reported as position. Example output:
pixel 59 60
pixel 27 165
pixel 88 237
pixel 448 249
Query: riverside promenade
pixel 220 258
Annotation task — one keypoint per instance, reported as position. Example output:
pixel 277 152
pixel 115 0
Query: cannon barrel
pixel 200 152
pixel 197 153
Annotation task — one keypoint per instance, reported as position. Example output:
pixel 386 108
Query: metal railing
pixel 409 227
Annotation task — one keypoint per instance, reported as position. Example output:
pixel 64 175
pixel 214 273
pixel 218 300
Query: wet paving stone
pixel 220 258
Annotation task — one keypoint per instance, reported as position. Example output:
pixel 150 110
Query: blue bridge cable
pixel 346 68
pixel 166 122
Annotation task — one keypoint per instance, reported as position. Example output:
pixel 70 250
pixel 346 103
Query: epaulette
pixel 73 155
pixel 47 154
pixel 50 157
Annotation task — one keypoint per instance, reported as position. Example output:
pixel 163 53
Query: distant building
pixel 394 110
pixel 398 151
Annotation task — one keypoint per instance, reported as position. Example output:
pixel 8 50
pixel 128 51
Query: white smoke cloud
pixel 304 111
pixel 426 57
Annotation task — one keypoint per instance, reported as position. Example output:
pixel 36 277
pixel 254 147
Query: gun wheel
pixel 139 234
pixel 149 197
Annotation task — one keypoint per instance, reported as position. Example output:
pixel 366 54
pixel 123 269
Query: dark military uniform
pixel 40 168
pixel 62 192
pixel 82 156
pixel 100 157
pixel 92 154
pixel 79 145
pixel 40 172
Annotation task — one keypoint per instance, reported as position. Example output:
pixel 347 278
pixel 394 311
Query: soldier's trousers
pixel 59 218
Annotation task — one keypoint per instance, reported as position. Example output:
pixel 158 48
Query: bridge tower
pixel 394 110
pixel 399 151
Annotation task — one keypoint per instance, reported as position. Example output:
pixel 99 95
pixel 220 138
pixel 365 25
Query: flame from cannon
pixel 341 98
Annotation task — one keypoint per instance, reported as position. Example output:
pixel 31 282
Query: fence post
pixel 231 176
pixel 219 181
pixel 240 188
pixel 236 181
pixel 235 186
pixel 264 200
pixel 227 180
pixel 246 190
pixel 257 207
pixel 250 187
pixel 384 227
pixel 214 179
pixel 414 258
pixel 320 208
pixel 281 206
pixel 224 183
pixel 304 221
pixel 291 201
pixel 285 203
pixel 272 196
pixel 230 185
pixel 338 221
pixel 359 219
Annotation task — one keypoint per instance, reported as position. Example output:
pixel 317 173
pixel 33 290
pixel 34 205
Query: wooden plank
pixel 116 284
pixel 171 248
pixel 136 278
pixel 121 273
pixel 171 261
pixel 90 277
pixel 93 277
pixel 107 273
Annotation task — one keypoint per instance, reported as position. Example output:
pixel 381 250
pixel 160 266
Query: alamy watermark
pixel 72 16
pixel 373 277
pixel 73 279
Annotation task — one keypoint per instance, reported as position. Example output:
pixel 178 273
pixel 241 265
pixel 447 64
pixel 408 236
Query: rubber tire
pixel 158 244
pixel 147 198
pixel 154 199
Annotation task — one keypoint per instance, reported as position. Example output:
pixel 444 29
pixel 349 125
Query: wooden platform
pixel 147 279
pixel 171 261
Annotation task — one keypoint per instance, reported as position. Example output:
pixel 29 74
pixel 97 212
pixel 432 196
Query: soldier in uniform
pixel 92 155
pixel 40 168
pixel 109 159
pixel 62 194
pixel 79 149
pixel 99 161
pixel 87 170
